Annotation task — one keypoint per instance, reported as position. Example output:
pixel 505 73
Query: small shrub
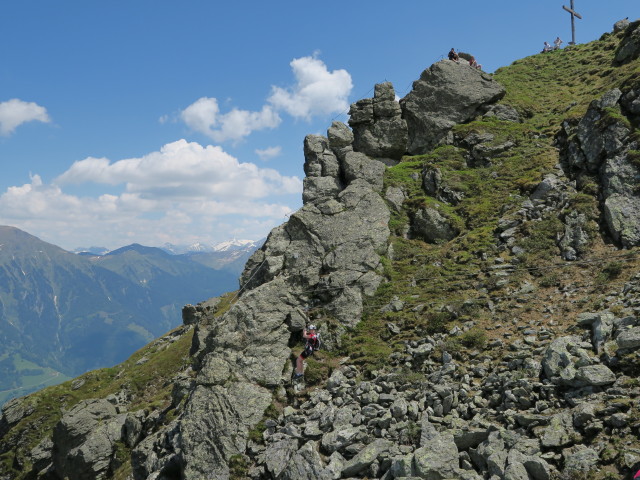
pixel 550 280
pixel 316 372
pixel 611 271
pixel 238 467
pixel 474 338
pixel 438 322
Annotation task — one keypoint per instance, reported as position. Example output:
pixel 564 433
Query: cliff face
pixel 459 256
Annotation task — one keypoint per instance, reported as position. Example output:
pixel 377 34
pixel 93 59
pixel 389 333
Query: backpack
pixel 314 344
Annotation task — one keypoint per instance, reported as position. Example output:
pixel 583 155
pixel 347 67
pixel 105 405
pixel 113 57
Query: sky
pixel 157 121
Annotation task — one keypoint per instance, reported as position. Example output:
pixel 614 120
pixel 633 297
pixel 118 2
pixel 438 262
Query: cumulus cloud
pixel 317 91
pixel 185 192
pixel 15 112
pixel 268 153
pixel 204 117
pixel 183 169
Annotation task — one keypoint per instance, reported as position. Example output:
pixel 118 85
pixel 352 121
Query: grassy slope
pixel 148 384
pixel 448 284
pixel 546 89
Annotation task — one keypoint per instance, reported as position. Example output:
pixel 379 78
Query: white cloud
pixel 204 117
pixel 179 194
pixel 268 153
pixel 15 112
pixel 317 90
pixel 183 169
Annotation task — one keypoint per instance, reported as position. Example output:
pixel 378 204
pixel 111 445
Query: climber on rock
pixel 313 343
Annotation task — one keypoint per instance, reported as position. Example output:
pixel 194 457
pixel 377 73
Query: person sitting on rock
pixel 475 64
pixel 313 343
pixel 453 55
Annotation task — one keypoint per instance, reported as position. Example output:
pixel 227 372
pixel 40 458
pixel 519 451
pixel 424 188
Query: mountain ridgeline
pixel 470 255
pixel 63 314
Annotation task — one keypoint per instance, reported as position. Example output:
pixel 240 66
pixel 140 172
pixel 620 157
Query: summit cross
pixel 573 25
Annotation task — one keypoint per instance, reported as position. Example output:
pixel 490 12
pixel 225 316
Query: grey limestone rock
pixel 359 166
pixel 322 168
pixel 278 455
pixel 437 458
pixel 85 439
pixel 558 432
pixel 575 237
pixel 566 362
pixel 434 186
pixel 447 93
pixel 305 464
pixel 365 457
pixel 378 127
pixel 215 425
pixel 340 136
pixel 41 455
pixel 621 25
pixel 581 461
pixel 629 48
pixel 431 226
pixel 340 438
pixel 622 214
pixel 629 339
pixel 12 412
pixel 600 144
pixel 503 112
pixel 396 197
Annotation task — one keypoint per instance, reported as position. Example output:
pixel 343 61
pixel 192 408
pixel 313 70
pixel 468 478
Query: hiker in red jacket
pixel 313 343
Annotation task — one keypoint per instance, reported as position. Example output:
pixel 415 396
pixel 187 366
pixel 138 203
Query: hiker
pixel 547 48
pixel 313 343
pixel 453 55
pixel 556 43
pixel 474 64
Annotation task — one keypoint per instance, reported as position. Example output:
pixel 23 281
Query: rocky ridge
pixel 545 400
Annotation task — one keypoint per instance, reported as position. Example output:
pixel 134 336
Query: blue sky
pixel 155 121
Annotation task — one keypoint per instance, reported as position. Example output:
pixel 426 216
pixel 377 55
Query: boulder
pixel 621 25
pixel 446 94
pixel 629 339
pixel 438 457
pixel 575 238
pixel 559 431
pixel 365 457
pixel 622 215
pixel 432 227
pixel 278 455
pixel 305 464
pixel 85 439
pixel 12 412
pixel 434 186
pixel 566 362
pixel 503 112
pixel 581 461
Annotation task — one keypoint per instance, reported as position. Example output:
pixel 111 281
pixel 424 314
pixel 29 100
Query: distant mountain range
pixel 62 314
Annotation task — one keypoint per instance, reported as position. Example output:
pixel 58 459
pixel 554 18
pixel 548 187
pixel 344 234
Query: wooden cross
pixel 573 25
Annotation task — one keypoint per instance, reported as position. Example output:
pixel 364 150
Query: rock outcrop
pixel 603 144
pixel 446 94
pixel 378 127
